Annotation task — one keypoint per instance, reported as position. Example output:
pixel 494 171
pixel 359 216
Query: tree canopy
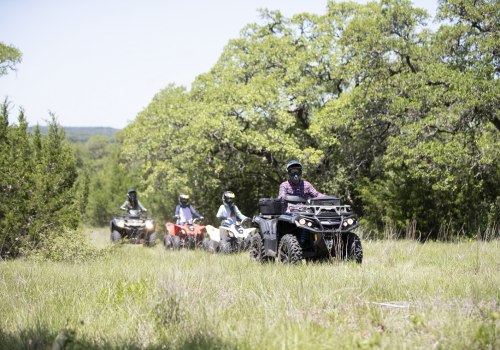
pixel 399 120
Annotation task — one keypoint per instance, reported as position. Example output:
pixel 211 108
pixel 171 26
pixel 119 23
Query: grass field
pixel 405 295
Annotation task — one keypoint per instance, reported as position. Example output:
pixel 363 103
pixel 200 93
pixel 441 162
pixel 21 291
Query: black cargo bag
pixel 325 200
pixel 271 206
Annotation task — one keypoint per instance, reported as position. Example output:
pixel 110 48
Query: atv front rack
pixel 319 210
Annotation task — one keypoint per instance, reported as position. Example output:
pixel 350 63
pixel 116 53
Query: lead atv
pixel 135 227
pixel 317 229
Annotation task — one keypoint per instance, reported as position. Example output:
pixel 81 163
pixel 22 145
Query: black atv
pixel 136 227
pixel 315 230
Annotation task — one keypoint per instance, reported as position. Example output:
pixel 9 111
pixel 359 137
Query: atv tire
pixel 257 251
pixel 225 246
pixel 167 241
pixel 176 242
pixel 210 246
pixel 352 248
pixel 289 250
pixel 115 236
pixel 150 242
pixel 190 242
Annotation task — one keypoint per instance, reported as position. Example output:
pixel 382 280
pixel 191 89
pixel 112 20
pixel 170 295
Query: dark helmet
pixel 228 198
pixel 294 170
pixel 184 200
pixel 132 194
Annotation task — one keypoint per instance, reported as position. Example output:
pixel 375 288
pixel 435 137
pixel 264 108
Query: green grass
pixel 405 295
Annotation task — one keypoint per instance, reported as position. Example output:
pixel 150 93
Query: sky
pixel 100 62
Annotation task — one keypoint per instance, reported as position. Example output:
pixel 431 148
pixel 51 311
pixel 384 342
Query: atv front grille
pixel 330 225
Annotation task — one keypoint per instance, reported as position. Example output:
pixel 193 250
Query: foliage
pixel 9 57
pixel 399 120
pixel 41 188
pixel 67 246
pixel 109 179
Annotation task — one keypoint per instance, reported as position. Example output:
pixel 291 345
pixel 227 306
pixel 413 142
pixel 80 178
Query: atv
pixel 188 235
pixel 229 239
pixel 316 229
pixel 135 227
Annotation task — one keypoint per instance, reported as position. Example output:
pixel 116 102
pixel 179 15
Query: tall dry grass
pixel 405 295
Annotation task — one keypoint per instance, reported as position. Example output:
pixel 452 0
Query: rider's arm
pixel 283 190
pixel 239 215
pixel 221 214
pixel 194 212
pixel 177 213
pixel 311 191
pixel 141 206
pixel 124 206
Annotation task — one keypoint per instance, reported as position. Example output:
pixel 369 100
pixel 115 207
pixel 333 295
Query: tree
pixel 42 191
pixel 9 57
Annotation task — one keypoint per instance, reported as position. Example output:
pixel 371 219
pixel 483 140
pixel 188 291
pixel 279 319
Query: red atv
pixel 188 235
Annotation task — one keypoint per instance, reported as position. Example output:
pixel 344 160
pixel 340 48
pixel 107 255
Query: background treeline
pixel 396 116
pixel 399 120
pixel 81 134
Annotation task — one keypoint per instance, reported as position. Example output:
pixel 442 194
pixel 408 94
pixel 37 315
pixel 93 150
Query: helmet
pixel 132 194
pixel 228 198
pixel 293 164
pixel 184 200
pixel 294 170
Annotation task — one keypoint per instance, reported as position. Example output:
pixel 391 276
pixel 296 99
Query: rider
pixel 294 186
pixel 132 203
pixel 228 212
pixel 184 212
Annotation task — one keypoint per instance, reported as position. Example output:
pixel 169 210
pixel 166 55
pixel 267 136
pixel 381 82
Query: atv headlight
pixel 305 222
pixel 348 222
pixel 150 225
pixel 120 223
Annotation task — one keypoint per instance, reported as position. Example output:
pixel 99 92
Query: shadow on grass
pixel 39 338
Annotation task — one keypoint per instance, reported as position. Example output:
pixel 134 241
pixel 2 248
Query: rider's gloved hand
pixel 227 222
pixel 201 218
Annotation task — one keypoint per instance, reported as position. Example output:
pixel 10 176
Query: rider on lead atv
pixel 294 186
pixel 184 212
pixel 132 203
pixel 304 224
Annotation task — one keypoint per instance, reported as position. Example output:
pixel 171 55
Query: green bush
pixel 67 246
pixel 42 189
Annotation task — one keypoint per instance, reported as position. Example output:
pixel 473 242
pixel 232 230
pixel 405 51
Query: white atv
pixel 229 239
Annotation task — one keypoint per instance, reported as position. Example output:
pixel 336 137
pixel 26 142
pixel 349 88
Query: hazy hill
pixel 82 134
